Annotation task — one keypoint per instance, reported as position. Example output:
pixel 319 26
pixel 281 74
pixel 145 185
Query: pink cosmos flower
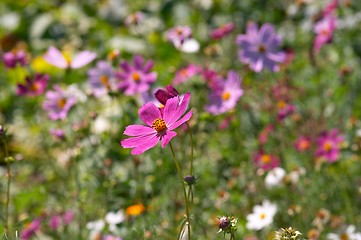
pixel 30 229
pixel 179 34
pixel 330 8
pixel 212 78
pixel 226 96
pixel 302 144
pixel 324 31
pixel 11 59
pixel 222 31
pixel 58 103
pixel 33 87
pixel 263 136
pixel 102 79
pixel 68 216
pixel 137 78
pixel 160 125
pixel 55 222
pixel 163 95
pixel 58 133
pixel 284 110
pixel 260 48
pixel 54 57
pixel 265 161
pixel 328 145
pixel 185 74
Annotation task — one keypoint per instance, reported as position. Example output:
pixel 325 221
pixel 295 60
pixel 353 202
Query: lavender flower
pixel 58 103
pixel 137 78
pixel 260 48
pixel 11 59
pixel 33 87
pixel 102 79
pixel 226 95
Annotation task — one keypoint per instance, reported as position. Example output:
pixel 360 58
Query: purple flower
pixel 260 48
pixel 68 217
pixel 137 78
pixel 11 59
pixel 55 222
pixel 54 57
pixel 160 125
pixel 163 95
pixel 328 145
pixel 57 133
pixel 265 161
pixel 179 34
pixel 102 79
pixel 30 229
pixel 58 103
pixel 33 87
pixel 284 110
pixel 226 95
pixel 185 74
pixel 324 31
pixel 222 31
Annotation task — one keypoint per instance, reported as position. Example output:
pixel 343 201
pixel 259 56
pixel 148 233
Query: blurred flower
pixel 265 161
pixel 227 225
pixel 33 87
pixel 55 222
pixel 135 210
pixel 74 90
pixel 68 217
pixel 111 237
pixel 328 145
pixel 349 234
pixel 163 95
pixel 212 78
pixel 322 217
pixel 260 48
pixel 31 229
pixel 302 144
pixel 226 97
pixel 102 79
pixel 95 227
pixel 137 78
pixel 11 59
pixel 330 8
pixel 185 74
pixel 313 234
pixel 57 103
pixel 284 110
pixel 263 136
pixel 57 133
pixel 114 218
pixel 134 18
pixel 222 31
pixel 262 216
pixel 160 126
pixel 324 31
pixel 56 58
pixel 179 34
pixel 287 234
pixel 275 177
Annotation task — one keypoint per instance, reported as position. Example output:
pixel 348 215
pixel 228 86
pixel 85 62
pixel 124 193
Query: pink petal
pixel 138 130
pixel 54 57
pixel 167 137
pixel 169 109
pixel 136 141
pixel 148 113
pixel 82 59
pixel 146 145
pixel 181 121
pixel 181 109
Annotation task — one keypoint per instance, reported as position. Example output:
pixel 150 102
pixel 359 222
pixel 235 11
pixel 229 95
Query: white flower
pixel 274 177
pixel 100 125
pixel 262 216
pixel 97 225
pixel 188 46
pixel 349 234
pixel 113 218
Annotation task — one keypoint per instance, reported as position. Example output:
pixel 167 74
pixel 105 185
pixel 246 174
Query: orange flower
pixel 135 210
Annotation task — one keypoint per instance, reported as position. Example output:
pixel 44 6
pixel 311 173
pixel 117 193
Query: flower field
pixel 202 119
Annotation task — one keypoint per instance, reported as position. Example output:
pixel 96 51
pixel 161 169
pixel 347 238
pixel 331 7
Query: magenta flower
pixel 160 125
pixel 185 74
pixel 324 31
pixel 54 57
pixel 102 79
pixel 11 59
pixel 263 136
pixel 302 144
pixel 68 216
pixel 58 103
pixel 55 222
pixel 265 161
pixel 226 96
pixel 30 229
pixel 330 8
pixel 212 78
pixel 137 78
pixel 164 95
pixel 284 110
pixel 179 34
pixel 33 87
pixel 328 145
pixel 222 31
pixel 260 48
pixel 58 133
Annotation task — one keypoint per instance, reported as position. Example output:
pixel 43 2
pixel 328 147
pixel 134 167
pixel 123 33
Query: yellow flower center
pixel 226 96
pixel 61 103
pixel 67 57
pixel 327 146
pixel 281 105
pixel 104 80
pixel 344 236
pixel 35 87
pixel 136 76
pixel 304 144
pixel 184 72
pixel 159 125
pixel 265 158
pixel 263 216
pixel 179 31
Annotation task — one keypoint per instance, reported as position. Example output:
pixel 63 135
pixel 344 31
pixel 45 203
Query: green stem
pixel 191 136
pixel 8 172
pixel 184 191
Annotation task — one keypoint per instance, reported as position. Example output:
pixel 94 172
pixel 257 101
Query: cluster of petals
pixel 265 161
pixel 284 110
pixel 262 216
pixel 184 74
pixel 58 103
pixel 348 233
pixel 222 31
pixel 101 79
pixel 260 48
pixel 328 145
pixel 31 229
pixel 136 78
pixel 56 58
pixel 302 144
pixel 181 37
pixel 11 59
pixel 160 125
pixel 33 86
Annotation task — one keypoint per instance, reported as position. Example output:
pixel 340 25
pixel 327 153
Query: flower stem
pixel 184 191
pixel 8 173
pixel 191 136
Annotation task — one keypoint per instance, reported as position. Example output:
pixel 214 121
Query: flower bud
pixel 190 179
